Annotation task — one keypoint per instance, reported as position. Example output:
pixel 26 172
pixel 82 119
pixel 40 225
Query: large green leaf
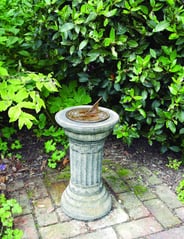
pixel 170 124
pixel 66 27
pixel 3 71
pixel 83 44
pixel 5 104
pixel 26 119
pixel 14 113
pixel 161 26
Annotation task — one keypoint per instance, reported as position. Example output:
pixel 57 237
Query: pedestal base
pixel 86 204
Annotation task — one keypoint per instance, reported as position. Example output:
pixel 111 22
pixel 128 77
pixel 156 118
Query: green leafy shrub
pixel 69 95
pixel 8 208
pixel 23 96
pixel 129 52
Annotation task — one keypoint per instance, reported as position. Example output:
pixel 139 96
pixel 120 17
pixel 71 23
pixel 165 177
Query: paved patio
pixel 143 207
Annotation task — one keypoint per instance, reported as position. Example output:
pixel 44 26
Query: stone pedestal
pixel 86 198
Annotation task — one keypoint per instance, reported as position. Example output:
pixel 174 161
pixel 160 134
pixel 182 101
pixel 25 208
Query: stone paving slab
pixel 63 230
pixel 133 205
pixel 27 225
pixel 162 213
pixel 138 228
pixel 23 199
pixel 116 216
pixel 167 196
pixel 154 213
pixel 174 233
pixel 44 212
pixel 100 234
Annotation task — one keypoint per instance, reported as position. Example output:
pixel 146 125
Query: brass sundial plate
pixel 84 115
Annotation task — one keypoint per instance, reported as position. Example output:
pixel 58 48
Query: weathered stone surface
pixel 27 225
pixel 16 185
pixel 175 233
pixel 154 214
pixel 180 213
pixel 36 189
pixel 166 195
pixel 56 189
pixel 138 228
pixel 86 203
pixel 162 213
pixel 107 233
pixel 133 205
pixel 116 216
pixel 62 216
pixel 115 182
pixel 150 177
pixel 22 198
pixel 63 230
pixel 44 212
pixel 147 195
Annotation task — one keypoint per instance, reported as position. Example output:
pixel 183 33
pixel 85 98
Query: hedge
pixel 129 52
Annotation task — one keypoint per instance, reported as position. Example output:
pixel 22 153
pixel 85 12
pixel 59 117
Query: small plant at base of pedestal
pixel 57 155
pixel 173 163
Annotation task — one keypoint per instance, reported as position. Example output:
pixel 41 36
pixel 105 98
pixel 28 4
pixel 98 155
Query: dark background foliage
pixel 129 52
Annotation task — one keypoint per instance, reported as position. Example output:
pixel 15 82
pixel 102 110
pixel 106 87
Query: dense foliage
pixel 129 52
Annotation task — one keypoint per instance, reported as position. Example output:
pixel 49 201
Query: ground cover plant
pixel 8 208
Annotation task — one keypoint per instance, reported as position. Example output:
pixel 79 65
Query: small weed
pixel 104 169
pixel 139 189
pixel 56 157
pixel 112 178
pixel 180 191
pixel 50 146
pixel 124 172
pixel 18 156
pixel 107 161
pixel 7 132
pixel 173 163
pixel 64 175
pixel 30 193
pixel 16 145
pixel 3 147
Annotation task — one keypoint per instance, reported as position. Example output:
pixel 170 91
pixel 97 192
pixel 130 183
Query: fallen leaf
pixel 65 161
pixel 63 164
pixel 2 179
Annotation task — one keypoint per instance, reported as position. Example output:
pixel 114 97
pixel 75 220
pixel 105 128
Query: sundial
pixel 88 114
pixel 87 127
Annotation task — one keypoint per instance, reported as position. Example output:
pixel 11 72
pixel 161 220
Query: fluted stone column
pixel 86 198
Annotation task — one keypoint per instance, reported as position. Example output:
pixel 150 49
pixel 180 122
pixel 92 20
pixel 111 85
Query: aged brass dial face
pixel 84 115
